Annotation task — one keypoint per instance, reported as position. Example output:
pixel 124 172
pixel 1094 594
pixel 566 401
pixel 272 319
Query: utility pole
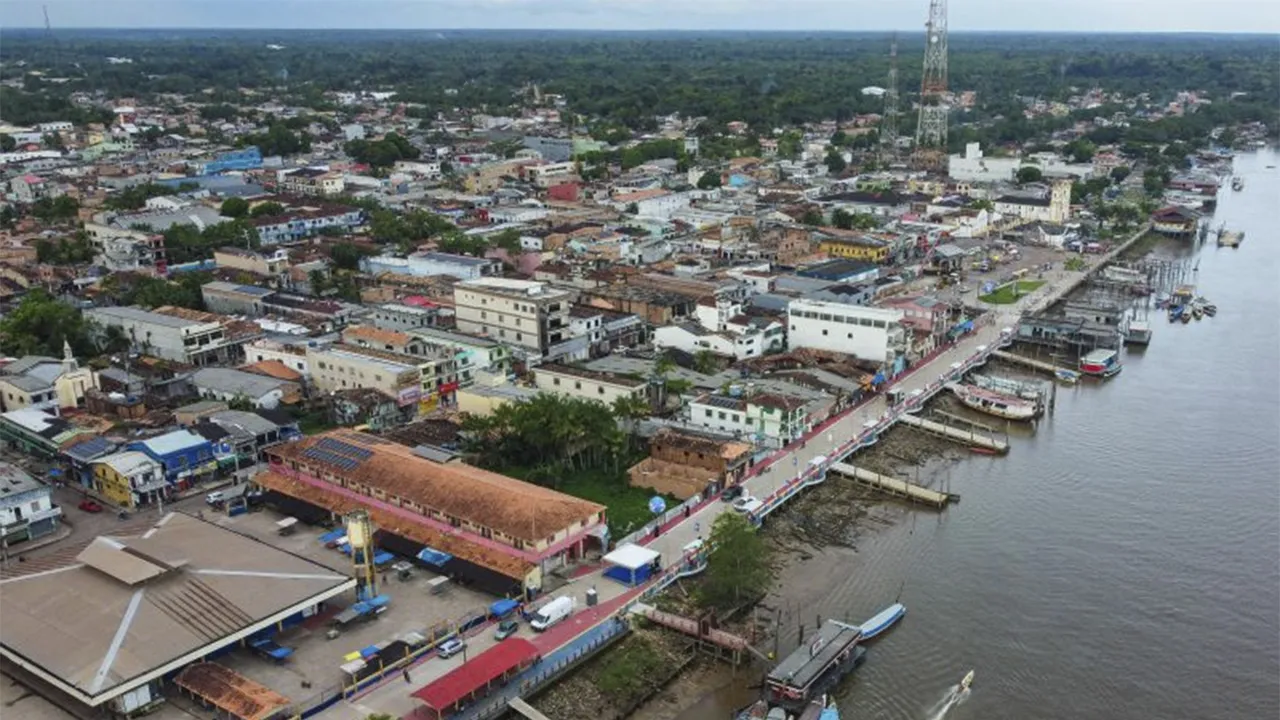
pixel 931 130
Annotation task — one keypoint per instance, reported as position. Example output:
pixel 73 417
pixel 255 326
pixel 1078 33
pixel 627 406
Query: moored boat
pixel 1175 312
pixel 1230 238
pixel 882 621
pixel 1009 407
pixel 1237 183
pixel 814 668
pixel 1070 377
pixel 1137 333
pixel 1186 317
pixel 1024 390
pixel 1101 363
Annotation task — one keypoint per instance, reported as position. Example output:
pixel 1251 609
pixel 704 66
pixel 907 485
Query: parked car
pixel 506 629
pixel 450 647
pixel 747 503
pixel 732 493
pixel 90 506
pixel 214 497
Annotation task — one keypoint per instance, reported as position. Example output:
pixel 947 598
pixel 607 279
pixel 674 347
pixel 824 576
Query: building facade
pixel 27 511
pixel 529 315
pixel 588 384
pixel 873 334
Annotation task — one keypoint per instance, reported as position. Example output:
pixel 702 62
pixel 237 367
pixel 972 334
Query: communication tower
pixel 931 130
pixel 360 536
pixel 889 125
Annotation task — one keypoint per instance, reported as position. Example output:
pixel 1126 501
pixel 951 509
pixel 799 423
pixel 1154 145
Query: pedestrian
pixel 405 672
pixel 697 528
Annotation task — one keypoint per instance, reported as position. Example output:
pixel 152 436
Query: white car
pixel 747 504
pixel 450 647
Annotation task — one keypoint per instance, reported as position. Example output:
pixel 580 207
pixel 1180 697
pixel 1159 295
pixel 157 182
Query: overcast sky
pixel 849 15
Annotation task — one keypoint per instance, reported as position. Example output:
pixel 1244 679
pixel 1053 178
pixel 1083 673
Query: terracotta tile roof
pixel 513 507
pixel 371 334
pixel 274 369
pixel 509 566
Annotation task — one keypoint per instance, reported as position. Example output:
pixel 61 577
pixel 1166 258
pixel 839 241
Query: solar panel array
pixel 723 402
pixel 345 448
pixel 370 440
pixel 334 459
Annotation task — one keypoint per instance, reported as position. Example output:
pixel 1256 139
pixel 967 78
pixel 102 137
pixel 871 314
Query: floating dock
pixel 896 487
pixel 969 437
pixel 1058 372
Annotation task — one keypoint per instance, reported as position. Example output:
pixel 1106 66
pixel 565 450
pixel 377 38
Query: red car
pixel 90 506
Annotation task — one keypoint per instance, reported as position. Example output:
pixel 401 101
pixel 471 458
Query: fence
pixel 552 666
pixel 663 519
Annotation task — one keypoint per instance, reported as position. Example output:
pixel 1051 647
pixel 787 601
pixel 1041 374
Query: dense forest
pixel 766 79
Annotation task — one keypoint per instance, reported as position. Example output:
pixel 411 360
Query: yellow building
pixel 865 249
pixel 129 479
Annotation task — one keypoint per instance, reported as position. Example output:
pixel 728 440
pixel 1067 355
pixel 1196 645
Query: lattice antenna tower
pixel 889 126
pixel 931 131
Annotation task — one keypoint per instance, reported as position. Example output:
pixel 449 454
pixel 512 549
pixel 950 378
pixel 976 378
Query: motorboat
pixel 1237 183
pixel 1103 363
pixel 1197 312
pixel 1002 405
pixel 1175 312
pixel 882 621
pixel 967 681
pixel 1186 317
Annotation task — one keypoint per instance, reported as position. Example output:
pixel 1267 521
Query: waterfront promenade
pixel 773 480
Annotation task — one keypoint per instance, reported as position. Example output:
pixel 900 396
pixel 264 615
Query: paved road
pixel 767 478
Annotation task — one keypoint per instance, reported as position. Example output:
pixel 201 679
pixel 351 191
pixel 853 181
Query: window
pixel 708 413
pixel 555 381
pixel 600 390
pixel 824 333
pixel 721 414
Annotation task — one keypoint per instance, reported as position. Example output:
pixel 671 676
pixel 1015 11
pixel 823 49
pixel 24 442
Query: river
pixel 1123 561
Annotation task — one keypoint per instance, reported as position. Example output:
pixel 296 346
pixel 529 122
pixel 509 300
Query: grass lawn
pixel 1008 295
pixel 628 506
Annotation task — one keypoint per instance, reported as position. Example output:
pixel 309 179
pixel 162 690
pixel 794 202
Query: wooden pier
pixel 969 437
pixel 896 487
pixel 735 645
pixel 1032 363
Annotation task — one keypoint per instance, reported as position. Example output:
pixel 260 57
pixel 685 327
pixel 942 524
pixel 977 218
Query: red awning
pixel 477 673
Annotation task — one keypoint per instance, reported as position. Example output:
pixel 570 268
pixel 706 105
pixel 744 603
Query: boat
pixel 757 710
pixel 1186 317
pixel 1197 312
pixel 1009 407
pixel 882 621
pixel 1101 363
pixel 1237 183
pixel 1137 333
pixel 967 681
pixel 823 708
pixel 815 667
pixel 1175 312
pixel 1026 391
pixel 1230 238
pixel 1070 377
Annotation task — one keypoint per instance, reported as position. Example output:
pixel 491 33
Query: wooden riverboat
pixel 1102 363
pixel 991 402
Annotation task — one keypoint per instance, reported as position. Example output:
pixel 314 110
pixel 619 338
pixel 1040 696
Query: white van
pixel 552 613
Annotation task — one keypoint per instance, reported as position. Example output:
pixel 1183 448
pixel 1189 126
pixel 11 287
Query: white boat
pixel 1026 391
pixel 882 621
pixel 1237 183
pixel 1009 407
pixel 967 681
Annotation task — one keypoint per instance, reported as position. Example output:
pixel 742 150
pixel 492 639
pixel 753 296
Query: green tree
pixel 7 143
pixel 1029 174
pixel 41 324
pixel 835 162
pixel 1119 173
pixel 811 217
pixel 61 208
pixel 709 180
pixel 983 204
pixel 234 207
pixel 1080 150
pixel 52 141
pixel 739 565
pixel 705 362
pixel 266 209
pixel 319 281
pixel 347 255
pixel 508 240
pixel 842 219
pixel 633 209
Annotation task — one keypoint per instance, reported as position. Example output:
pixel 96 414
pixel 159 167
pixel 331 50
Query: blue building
pixel 187 458
pixel 249 158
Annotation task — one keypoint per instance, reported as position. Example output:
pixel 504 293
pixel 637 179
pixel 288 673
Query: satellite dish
pixel 657 505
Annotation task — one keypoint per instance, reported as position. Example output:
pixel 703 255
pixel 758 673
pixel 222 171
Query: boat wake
pixel 956 695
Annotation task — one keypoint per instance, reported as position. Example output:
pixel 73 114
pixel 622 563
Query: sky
pixel 1253 16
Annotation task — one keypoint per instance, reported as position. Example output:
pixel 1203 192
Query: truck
pixel 552 613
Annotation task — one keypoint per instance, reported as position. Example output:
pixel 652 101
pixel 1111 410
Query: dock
pixel 519 706
pixel 1034 364
pixel 970 437
pixel 896 487
pixel 736 645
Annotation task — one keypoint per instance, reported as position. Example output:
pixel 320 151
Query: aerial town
pixel 358 413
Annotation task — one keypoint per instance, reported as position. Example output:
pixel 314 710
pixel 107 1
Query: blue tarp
pixel 369 651
pixel 332 536
pixel 382 557
pixel 629 577
pixel 434 557
pixel 270 648
pixel 503 608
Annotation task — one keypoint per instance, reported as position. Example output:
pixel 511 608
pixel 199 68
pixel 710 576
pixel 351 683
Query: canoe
pixel 882 620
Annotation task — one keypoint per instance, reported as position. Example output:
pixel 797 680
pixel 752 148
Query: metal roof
pixel 174 441
pixel 235 382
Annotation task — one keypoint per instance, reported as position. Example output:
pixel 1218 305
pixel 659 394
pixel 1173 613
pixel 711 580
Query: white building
pixel 763 417
pixel 1054 209
pixel 527 314
pixel 588 384
pixel 426 264
pixel 294 358
pixel 873 334
pixel 973 166
pixel 187 340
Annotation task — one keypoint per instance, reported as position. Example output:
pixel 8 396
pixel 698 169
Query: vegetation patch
pixel 1009 294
